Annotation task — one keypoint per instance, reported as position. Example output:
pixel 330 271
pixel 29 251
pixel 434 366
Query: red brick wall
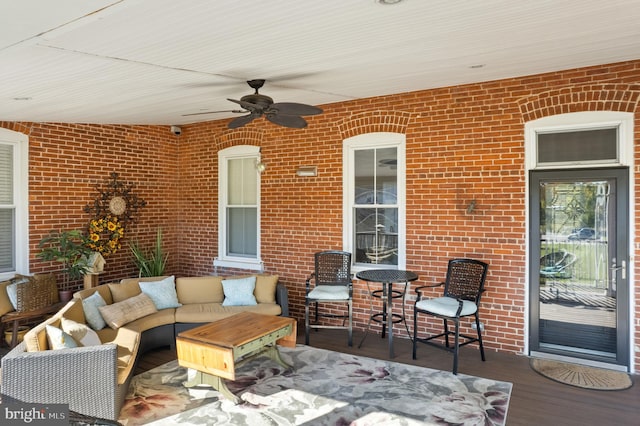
pixel 68 161
pixel 463 143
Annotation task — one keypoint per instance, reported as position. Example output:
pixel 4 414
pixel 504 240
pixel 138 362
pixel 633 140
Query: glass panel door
pixel 578 265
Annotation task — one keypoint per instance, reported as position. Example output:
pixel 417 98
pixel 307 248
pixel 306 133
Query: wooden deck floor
pixel 535 400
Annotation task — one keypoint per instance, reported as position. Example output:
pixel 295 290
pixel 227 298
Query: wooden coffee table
pixel 215 349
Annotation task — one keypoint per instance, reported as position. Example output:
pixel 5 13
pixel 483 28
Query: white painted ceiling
pixel 152 61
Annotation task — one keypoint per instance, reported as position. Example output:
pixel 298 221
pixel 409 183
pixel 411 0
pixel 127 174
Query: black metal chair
pixel 331 284
pixel 462 290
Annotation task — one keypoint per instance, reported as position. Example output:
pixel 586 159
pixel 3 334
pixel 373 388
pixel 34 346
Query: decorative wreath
pixel 116 198
pixel 105 234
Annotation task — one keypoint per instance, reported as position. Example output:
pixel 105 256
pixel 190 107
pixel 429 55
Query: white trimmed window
pixel 374 200
pixel 14 212
pixel 239 208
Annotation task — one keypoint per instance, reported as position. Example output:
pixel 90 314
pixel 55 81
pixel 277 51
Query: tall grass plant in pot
pixel 151 262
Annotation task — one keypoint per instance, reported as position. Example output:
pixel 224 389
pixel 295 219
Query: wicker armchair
pixel 75 418
pixel 84 378
pixel 331 284
pixel 462 290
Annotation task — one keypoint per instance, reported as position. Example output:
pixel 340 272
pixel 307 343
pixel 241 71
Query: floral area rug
pixel 323 388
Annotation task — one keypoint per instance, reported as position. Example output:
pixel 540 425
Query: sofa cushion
pixel 73 311
pixel 162 317
pixel 122 291
pixel 103 289
pixel 239 292
pixel 127 342
pixel 58 339
pixel 199 289
pixel 81 333
pixel 118 314
pixel 91 306
pixel 5 303
pixel 162 293
pixel 209 312
pixel 36 338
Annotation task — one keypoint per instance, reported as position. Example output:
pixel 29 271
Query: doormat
pixel 581 376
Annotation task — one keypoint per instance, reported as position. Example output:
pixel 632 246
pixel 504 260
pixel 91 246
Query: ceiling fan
pixel 287 114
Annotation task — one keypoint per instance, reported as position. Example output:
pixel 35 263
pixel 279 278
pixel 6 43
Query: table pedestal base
pixel 218 383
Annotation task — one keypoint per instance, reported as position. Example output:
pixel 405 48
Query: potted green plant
pixel 150 262
pixel 70 249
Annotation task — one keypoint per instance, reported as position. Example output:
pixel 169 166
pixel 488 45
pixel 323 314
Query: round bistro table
pixel 387 277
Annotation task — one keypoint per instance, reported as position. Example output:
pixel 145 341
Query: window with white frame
pixel 239 208
pixel 14 235
pixel 374 200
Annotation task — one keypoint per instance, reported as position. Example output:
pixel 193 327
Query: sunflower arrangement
pixel 105 234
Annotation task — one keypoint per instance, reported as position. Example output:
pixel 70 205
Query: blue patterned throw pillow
pixel 239 292
pixel 90 306
pixel 162 293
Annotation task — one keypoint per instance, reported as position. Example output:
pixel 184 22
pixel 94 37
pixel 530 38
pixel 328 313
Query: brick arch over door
pixel 240 137
pixel 374 121
pixel 595 97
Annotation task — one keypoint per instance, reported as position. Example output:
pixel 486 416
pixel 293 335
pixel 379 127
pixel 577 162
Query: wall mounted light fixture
pixel 260 166
pixel 307 171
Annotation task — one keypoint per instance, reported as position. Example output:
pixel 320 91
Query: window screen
pixel 7 210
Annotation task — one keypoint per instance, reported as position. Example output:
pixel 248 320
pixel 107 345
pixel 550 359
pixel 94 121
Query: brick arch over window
pixel 17 127
pixel 374 121
pixel 595 97
pixel 241 137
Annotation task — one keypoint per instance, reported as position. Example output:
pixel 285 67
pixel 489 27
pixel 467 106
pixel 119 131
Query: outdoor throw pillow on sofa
pixel 81 333
pixel 58 339
pixel 265 290
pixel 162 293
pixel 239 292
pixel 118 314
pixel 90 306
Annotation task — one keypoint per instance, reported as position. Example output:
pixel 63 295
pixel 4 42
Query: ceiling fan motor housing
pixel 262 101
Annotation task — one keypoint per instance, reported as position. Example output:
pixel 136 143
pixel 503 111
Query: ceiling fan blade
pixel 247 105
pixel 293 121
pixel 292 108
pixel 242 121
pixel 214 112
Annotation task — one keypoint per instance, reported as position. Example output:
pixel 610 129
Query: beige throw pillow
pixel 121 313
pixel 81 333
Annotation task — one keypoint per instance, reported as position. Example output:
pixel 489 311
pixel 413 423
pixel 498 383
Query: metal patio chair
pixel 463 287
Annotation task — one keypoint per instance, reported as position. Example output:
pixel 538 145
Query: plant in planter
pixel 150 262
pixel 71 250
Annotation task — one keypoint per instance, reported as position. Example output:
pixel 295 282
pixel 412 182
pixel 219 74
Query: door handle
pixel 622 268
